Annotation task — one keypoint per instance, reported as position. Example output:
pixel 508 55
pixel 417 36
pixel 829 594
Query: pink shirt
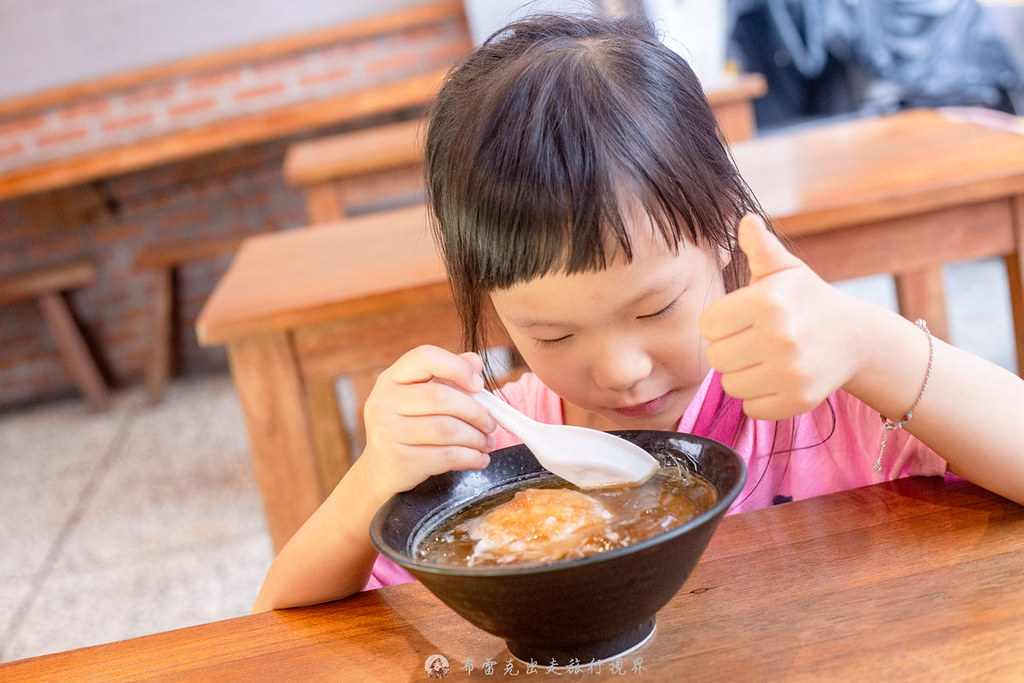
pixel 811 455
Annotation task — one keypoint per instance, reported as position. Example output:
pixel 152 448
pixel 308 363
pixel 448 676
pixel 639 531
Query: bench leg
pixel 920 294
pixel 158 368
pixel 73 350
pixel 324 204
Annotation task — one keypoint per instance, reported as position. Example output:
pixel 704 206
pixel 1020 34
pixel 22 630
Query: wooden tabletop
pixel 914 580
pixel 282 280
pixel 879 168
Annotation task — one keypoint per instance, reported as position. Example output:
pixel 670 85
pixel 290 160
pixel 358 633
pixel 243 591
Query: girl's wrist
pixel 370 486
pixel 858 317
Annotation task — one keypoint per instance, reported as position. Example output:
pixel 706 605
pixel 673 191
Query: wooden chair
pixel 47 287
pixel 359 172
pixel 162 262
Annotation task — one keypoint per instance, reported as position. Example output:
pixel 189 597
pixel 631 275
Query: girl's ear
pixel 723 255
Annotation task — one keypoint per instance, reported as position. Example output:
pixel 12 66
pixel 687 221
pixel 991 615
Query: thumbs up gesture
pixel 783 343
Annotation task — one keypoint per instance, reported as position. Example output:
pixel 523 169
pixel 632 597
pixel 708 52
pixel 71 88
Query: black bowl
pixel 585 609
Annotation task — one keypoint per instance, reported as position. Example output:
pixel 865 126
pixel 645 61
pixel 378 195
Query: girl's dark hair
pixel 544 140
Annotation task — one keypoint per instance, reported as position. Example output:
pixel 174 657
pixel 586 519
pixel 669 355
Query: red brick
pixel 450 51
pixel 418 33
pixel 395 63
pixel 214 80
pixel 53 248
pixel 117 233
pixel 260 91
pixel 192 107
pixel 190 217
pixel 346 52
pixel 296 63
pixel 22 125
pixel 87 109
pixel 128 122
pixel 317 79
pixel 149 94
pixel 11 150
pixel 62 137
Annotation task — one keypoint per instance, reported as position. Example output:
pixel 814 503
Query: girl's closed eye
pixel 553 342
pixel 662 313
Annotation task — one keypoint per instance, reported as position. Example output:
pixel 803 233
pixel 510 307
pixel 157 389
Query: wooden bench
pixel 47 287
pixel 373 169
pixel 162 262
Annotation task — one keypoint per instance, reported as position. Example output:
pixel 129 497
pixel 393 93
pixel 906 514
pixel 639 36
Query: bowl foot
pixel 583 654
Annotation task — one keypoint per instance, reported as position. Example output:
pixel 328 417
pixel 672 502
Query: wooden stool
pixel 373 169
pixel 163 260
pixel 47 286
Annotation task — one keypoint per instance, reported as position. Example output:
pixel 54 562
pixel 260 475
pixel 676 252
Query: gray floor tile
pixel 153 522
pixel 160 593
pixel 13 594
pixel 59 439
pixel 33 520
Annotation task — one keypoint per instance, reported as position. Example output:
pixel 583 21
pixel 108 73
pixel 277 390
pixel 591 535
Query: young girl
pixel 583 195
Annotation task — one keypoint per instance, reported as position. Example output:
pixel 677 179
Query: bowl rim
pixel 719 508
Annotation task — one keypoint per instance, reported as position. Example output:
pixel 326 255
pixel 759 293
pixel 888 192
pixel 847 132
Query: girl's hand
pixel 784 342
pixel 420 421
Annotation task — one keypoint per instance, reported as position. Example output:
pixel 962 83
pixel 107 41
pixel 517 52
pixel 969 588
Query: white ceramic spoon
pixel 585 457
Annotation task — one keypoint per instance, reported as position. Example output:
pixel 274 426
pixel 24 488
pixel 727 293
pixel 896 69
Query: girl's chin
pixel 654 422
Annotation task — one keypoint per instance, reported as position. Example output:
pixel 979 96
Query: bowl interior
pixel 401 523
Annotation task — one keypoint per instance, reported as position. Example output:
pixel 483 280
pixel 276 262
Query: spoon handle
pixel 507 416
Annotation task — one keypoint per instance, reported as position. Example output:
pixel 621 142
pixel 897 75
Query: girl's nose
pixel 620 367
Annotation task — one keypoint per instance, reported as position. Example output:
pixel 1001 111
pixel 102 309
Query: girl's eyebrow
pixel 656 287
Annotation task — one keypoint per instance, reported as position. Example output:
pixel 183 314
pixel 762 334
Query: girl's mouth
pixel 642 409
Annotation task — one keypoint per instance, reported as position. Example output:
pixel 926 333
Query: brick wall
pixel 235 192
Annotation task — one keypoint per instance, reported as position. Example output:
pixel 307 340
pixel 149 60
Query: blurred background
pixel 141 142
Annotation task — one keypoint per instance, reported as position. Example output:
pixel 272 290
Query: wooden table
pixel 297 310
pixel 300 309
pixel 914 580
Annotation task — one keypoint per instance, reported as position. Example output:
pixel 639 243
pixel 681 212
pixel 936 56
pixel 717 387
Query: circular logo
pixel 437 666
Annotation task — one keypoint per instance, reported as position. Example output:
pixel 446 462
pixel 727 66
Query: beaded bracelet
pixel 890 425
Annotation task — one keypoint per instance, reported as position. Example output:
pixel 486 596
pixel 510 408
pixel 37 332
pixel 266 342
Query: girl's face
pixel 623 344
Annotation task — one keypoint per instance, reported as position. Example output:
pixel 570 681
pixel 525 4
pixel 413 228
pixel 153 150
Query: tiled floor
pixel 147 518
pixel 141 519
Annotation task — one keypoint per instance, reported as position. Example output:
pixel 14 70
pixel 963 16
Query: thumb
pixel 765 253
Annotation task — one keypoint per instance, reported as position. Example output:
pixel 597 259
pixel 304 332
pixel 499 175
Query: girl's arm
pixel 419 422
pixel 788 340
pixel 971 413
